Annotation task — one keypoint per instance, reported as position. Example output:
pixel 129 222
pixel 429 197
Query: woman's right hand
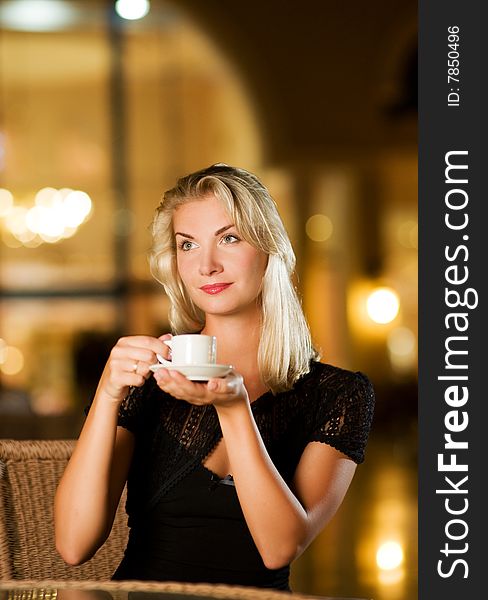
pixel 128 364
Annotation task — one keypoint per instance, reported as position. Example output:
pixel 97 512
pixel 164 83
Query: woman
pixel 230 480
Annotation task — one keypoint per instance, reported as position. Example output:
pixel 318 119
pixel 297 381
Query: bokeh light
pixel 12 360
pixel 407 234
pixel 389 555
pixel 383 305
pixel 402 349
pixel 319 228
pixel 15 221
pixel 3 351
pixel 6 202
pixel 37 15
pixel 132 9
pixel 56 215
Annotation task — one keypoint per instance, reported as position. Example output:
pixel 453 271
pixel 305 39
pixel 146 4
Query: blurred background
pixel 104 104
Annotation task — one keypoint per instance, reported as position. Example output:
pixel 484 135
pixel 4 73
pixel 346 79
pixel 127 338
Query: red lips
pixel 215 288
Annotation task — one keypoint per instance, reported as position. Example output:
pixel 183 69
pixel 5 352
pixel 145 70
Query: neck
pixel 237 339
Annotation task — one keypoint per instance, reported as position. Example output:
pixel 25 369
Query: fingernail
pixel 212 385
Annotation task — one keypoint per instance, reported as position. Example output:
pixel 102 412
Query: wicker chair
pixel 29 474
pixel 142 590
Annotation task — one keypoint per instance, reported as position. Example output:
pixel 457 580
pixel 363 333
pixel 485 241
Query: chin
pixel 211 309
pixel 223 304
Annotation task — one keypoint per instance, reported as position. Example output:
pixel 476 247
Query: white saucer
pixel 196 372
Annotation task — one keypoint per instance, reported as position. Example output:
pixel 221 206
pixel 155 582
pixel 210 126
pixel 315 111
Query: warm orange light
pixel 13 361
pixel 402 348
pixel 132 9
pixel 6 202
pixel 389 555
pixel 319 228
pixel 383 305
pixel 56 215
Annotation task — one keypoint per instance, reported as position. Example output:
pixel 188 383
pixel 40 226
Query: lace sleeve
pixel 344 413
pixel 132 407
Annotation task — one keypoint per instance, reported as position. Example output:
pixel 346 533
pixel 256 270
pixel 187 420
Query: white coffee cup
pixel 191 349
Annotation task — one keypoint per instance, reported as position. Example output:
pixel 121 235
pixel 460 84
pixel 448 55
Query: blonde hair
pixel 285 348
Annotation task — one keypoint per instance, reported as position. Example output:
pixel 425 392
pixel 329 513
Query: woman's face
pixel 221 272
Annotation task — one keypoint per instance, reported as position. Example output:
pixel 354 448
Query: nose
pixel 209 262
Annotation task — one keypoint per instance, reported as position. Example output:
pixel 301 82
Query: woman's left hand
pixel 222 392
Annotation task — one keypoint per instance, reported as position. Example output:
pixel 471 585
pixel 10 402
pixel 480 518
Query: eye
pixel 186 245
pixel 230 238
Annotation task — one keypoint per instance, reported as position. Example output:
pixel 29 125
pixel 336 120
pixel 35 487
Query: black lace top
pixel 173 438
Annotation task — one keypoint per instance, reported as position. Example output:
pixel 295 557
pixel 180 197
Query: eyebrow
pixel 218 232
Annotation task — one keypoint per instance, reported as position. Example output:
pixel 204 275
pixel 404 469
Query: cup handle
pixel 163 361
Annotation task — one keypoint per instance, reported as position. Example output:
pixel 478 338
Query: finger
pixel 134 354
pixel 179 386
pixel 219 385
pixel 166 353
pixel 186 386
pixel 135 379
pixel 225 385
pixel 138 367
pixel 153 344
pixel 125 380
pixel 161 376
